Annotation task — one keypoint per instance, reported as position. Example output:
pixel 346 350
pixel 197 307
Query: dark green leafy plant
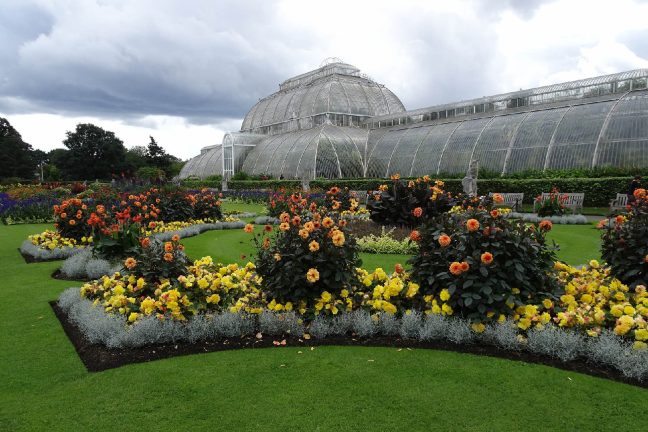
pixel 408 204
pixel 481 265
pixel 306 257
pixel 122 240
pixel 551 206
pixel 206 205
pixel 156 260
pixel 625 243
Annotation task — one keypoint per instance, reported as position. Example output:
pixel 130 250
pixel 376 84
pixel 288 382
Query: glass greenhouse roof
pixel 335 122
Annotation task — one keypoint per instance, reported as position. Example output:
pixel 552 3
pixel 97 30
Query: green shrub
pixel 206 205
pixel 310 255
pixel 482 266
pixel 408 204
pixel 625 243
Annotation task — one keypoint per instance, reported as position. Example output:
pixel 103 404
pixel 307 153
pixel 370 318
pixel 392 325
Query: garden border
pixel 97 357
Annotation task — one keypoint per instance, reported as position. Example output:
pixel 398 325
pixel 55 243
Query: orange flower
pixel 72 222
pixel 455 268
pixel 284 217
pixel 296 221
pixel 619 219
pixel 266 243
pixel 277 257
pixel 498 198
pixel 334 190
pixel 444 240
pixel 309 226
pixel 328 222
pixel 249 228
pixel 168 257
pixel 267 228
pixel 175 238
pixel 313 246
pixel 145 242
pixel 487 258
pixel 472 225
pixel 342 223
pixel 312 275
pixel 494 213
pixel 303 233
pixel 464 266
pixel 152 225
pixel 63 215
pixel 338 238
pixel 417 212
pixel 639 193
pixel 284 226
pixel 646 259
pixel 130 263
pixel 101 209
pixel 181 247
pixel 545 225
pixel 395 176
pixel 398 268
pixel 415 236
pixel 168 247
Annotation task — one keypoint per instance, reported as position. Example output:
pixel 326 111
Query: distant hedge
pixel 598 191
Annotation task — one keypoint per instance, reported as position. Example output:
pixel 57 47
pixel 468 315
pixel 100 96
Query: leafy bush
pixel 553 205
pixel 339 200
pixel 482 266
pixel 156 260
pixel 309 260
pixel 408 204
pixel 206 205
pixel 625 242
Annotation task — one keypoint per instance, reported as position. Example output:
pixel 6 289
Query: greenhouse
pixel 336 122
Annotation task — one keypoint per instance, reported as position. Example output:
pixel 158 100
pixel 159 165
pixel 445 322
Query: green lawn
pixel 578 243
pixel 44 386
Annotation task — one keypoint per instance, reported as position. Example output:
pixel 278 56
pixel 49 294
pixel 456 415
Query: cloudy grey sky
pixel 187 71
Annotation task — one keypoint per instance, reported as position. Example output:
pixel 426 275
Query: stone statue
pixel 469 182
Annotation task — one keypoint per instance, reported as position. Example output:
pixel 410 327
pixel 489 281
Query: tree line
pixel 91 153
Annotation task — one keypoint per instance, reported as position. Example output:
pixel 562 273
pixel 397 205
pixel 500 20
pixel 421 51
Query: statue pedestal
pixel 224 186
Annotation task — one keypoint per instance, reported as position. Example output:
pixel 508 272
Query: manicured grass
pixel 44 386
pixel 244 207
pixel 578 243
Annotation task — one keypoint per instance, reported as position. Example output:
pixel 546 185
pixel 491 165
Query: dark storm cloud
pixel 135 58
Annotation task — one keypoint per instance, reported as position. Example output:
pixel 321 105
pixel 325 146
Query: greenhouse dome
pixel 336 122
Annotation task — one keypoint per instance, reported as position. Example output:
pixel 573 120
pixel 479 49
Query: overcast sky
pixel 187 71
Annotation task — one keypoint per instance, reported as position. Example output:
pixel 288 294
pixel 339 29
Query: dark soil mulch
pixel 362 228
pixel 97 358
pixel 58 274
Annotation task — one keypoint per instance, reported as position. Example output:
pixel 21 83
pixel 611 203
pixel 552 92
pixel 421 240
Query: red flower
pixel 545 225
pixel 417 212
pixel 415 236
pixel 399 268
pixel 487 258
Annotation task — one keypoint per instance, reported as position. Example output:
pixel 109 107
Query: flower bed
pixel 386 243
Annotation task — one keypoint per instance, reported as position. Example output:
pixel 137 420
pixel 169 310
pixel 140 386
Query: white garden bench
pixel 513 200
pixel 573 201
pixel 619 203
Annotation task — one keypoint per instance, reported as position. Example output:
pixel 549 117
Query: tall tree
pixel 156 156
pixel 94 153
pixel 16 156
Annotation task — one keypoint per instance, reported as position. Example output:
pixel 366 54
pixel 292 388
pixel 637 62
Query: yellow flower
pixel 133 317
pixel 478 327
pixel 312 275
pixel 444 295
pixel 313 246
pixel 594 264
pixel 214 298
pixel 326 296
pixel 548 304
pixel 638 345
pixel 641 334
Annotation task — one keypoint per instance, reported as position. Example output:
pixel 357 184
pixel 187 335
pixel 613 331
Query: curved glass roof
pixel 324 151
pixel 336 122
pixel 585 135
pixel 335 88
pixel 209 162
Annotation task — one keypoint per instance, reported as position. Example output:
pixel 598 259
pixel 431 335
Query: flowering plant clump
pixel 310 253
pixel 625 242
pixel 155 259
pixel 553 205
pixel 203 287
pixel 50 240
pixel 386 243
pixel 593 300
pixel 71 218
pixel 339 200
pixel 206 205
pixel 482 265
pixel 282 202
pixel 393 293
pixel 409 204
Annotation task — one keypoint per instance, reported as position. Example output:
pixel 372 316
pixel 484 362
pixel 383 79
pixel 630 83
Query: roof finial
pixel 330 60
